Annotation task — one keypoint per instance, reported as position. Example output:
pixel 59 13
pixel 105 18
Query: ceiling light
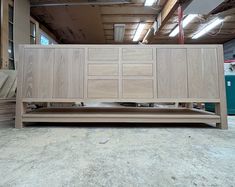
pixel 210 26
pixel 119 31
pixel 186 21
pixel 138 32
pixel 149 2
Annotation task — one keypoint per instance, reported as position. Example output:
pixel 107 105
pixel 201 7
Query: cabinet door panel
pixel 102 69
pixel 134 89
pixel 202 73
pixel 102 89
pixel 38 73
pixel 172 73
pixel 68 73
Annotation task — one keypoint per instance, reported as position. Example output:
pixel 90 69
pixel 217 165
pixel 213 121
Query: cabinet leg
pixel 20 110
pixel 221 111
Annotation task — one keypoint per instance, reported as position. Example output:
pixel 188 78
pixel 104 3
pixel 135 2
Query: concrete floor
pixel 117 156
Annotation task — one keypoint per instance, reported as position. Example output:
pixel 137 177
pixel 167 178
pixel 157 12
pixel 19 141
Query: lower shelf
pixel 121 115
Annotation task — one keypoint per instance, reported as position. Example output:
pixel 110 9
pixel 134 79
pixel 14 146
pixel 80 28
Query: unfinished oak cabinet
pixel 122 73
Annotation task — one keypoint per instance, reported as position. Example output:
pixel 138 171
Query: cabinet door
pixel 68 73
pixel 38 73
pixel 202 73
pixel 172 73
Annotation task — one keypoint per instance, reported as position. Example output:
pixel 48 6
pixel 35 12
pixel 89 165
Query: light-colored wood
pixel 102 69
pixel 102 54
pixel 172 73
pixel 120 115
pixel 137 69
pixel 221 108
pixel 102 89
pixel 36 71
pixel 6 88
pixel 137 54
pixel 137 89
pixel 68 73
pixel 19 103
pixel 3 78
pixel 203 73
pixel 121 73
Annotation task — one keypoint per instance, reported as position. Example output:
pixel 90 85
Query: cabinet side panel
pixel 210 72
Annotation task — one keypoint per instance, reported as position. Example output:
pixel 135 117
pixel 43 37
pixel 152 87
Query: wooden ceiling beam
pixel 167 12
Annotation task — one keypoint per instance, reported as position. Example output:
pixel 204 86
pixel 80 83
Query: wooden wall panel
pixel 172 73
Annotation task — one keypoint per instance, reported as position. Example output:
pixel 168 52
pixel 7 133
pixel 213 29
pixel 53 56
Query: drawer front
pixel 103 54
pixel 102 69
pixel 102 89
pixel 137 69
pixel 137 54
pixel 137 89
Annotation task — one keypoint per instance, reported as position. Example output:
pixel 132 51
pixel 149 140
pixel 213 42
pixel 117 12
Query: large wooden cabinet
pixel 122 73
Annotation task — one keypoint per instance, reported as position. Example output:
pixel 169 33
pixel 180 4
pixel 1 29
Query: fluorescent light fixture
pixel 210 26
pixel 138 32
pixel 149 2
pixel 119 31
pixel 186 21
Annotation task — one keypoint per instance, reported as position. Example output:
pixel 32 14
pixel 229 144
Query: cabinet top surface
pixel 123 46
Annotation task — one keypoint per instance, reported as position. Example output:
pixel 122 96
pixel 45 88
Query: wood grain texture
pixel 38 73
pixel 68 73
pixel 102 69
pixel 102 88
pixel 3 78
pixel 137 69
pixel 172 73
pixel 137 54
pixel 102 54
pixel 137 88
pixel 202 73
pixel 152 73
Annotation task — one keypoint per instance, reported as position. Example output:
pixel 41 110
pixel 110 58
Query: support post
pixel 180 20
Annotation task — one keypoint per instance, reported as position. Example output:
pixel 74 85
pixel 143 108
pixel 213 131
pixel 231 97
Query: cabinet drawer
pixel 137 69
pixel 102 69
pixel 103 54
pixel 142 89
pixel 136 54
pixel 102 88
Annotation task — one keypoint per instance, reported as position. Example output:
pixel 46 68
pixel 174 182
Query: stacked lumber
pixel 7 94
